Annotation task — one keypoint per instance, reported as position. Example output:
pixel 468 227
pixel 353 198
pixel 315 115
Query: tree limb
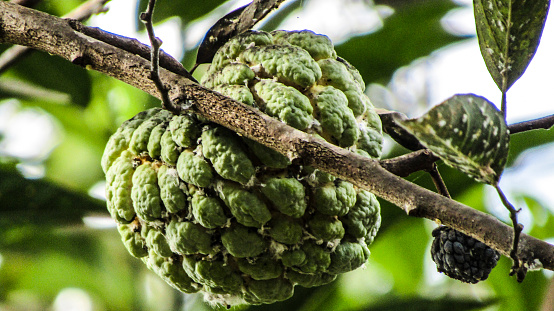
pixel 406 164
pixel 540 123
pixel 81 13
pixel 155 42
pixel 41 31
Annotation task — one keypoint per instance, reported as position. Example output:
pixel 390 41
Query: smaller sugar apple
pixel 462 257
pixel 214 212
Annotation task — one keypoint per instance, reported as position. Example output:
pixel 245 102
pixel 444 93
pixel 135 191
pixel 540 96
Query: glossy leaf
pixel 468 133
pixel 58 8
pixel 304 299
pixel 509 32
pixel 516 297
pixel 543 220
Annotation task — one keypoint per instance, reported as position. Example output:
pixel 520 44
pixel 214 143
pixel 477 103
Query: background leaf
pixel 53 73
pixel 186 10
pixel 413 31
pixel 509 32
pixel 32 201
pixel 468 133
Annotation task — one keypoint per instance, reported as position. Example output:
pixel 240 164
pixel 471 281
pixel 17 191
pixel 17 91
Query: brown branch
pixel 517 268
pixel 389 120
pixel 53 35
pixel 540 123
pixel 133 46
pixel 81 13
pixel 406 164
pixel 438 181
pixel 155 42
pixel 232 24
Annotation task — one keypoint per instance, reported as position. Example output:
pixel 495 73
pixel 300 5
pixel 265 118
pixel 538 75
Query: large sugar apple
pixel 211 211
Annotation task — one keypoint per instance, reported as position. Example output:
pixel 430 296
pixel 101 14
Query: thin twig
pixel 518 267
pixel 504 104
pixel 438 181
pixel 134 46
pixel 12 55
pixel 81 13
pixel 535 124
pixel 146 18
pixel 390 120
pixel 409 163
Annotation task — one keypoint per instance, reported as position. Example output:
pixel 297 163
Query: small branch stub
pixel 155 42
pixel 518 268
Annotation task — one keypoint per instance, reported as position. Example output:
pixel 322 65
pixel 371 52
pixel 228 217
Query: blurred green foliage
pixel 45 247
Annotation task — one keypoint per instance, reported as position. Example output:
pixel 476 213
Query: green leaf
pixel 468 133
pixel 305 299
pixel 509 32
pixel 515 296
pixel 58 8
pixel 32 201
pixel 401 250
pixel 543 220
pixel 54 74
pixel 413 31
pixel 45 261
pixel 186 10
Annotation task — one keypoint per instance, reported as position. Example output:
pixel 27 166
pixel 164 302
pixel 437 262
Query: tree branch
pixel 406 164
pixel 155 42
pixel 133 46
pixel 38 30
pixel 232 24
pixel 540 123
pixel 81 13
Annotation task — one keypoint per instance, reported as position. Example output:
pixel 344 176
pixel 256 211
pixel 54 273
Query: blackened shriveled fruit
pixel 462 257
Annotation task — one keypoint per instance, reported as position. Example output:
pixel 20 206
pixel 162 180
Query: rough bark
pixel 19 25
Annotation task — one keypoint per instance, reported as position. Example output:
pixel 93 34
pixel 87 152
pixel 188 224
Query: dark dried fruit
pixel 462 257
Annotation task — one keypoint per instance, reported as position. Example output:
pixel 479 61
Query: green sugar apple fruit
pixel 214 212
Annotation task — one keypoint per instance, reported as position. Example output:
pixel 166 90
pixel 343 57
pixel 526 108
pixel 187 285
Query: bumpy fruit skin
pixel 213 212
pixel 462 257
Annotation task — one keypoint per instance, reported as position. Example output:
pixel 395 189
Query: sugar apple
pixel 461 257
pixel 214 212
